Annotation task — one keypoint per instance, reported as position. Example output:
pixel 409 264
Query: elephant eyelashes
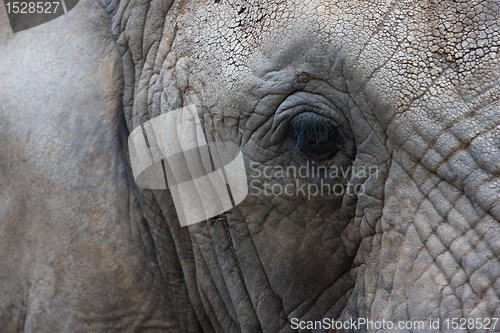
pixel 315 137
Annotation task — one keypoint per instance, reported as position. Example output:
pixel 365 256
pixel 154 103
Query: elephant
pixel 370 134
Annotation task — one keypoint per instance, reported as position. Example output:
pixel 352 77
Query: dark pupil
pixel 316 139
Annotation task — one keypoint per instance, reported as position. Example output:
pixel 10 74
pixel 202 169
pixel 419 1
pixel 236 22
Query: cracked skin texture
pixel 411 87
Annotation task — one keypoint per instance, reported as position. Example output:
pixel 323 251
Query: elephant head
pixel 370 134
pixel 392 104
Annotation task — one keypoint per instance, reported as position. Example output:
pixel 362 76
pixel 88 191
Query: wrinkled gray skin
pixel 412 87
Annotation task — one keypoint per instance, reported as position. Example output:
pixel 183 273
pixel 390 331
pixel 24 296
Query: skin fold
pixel 401 97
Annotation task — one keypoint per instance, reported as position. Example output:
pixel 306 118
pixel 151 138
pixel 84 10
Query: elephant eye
pixel 315 136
